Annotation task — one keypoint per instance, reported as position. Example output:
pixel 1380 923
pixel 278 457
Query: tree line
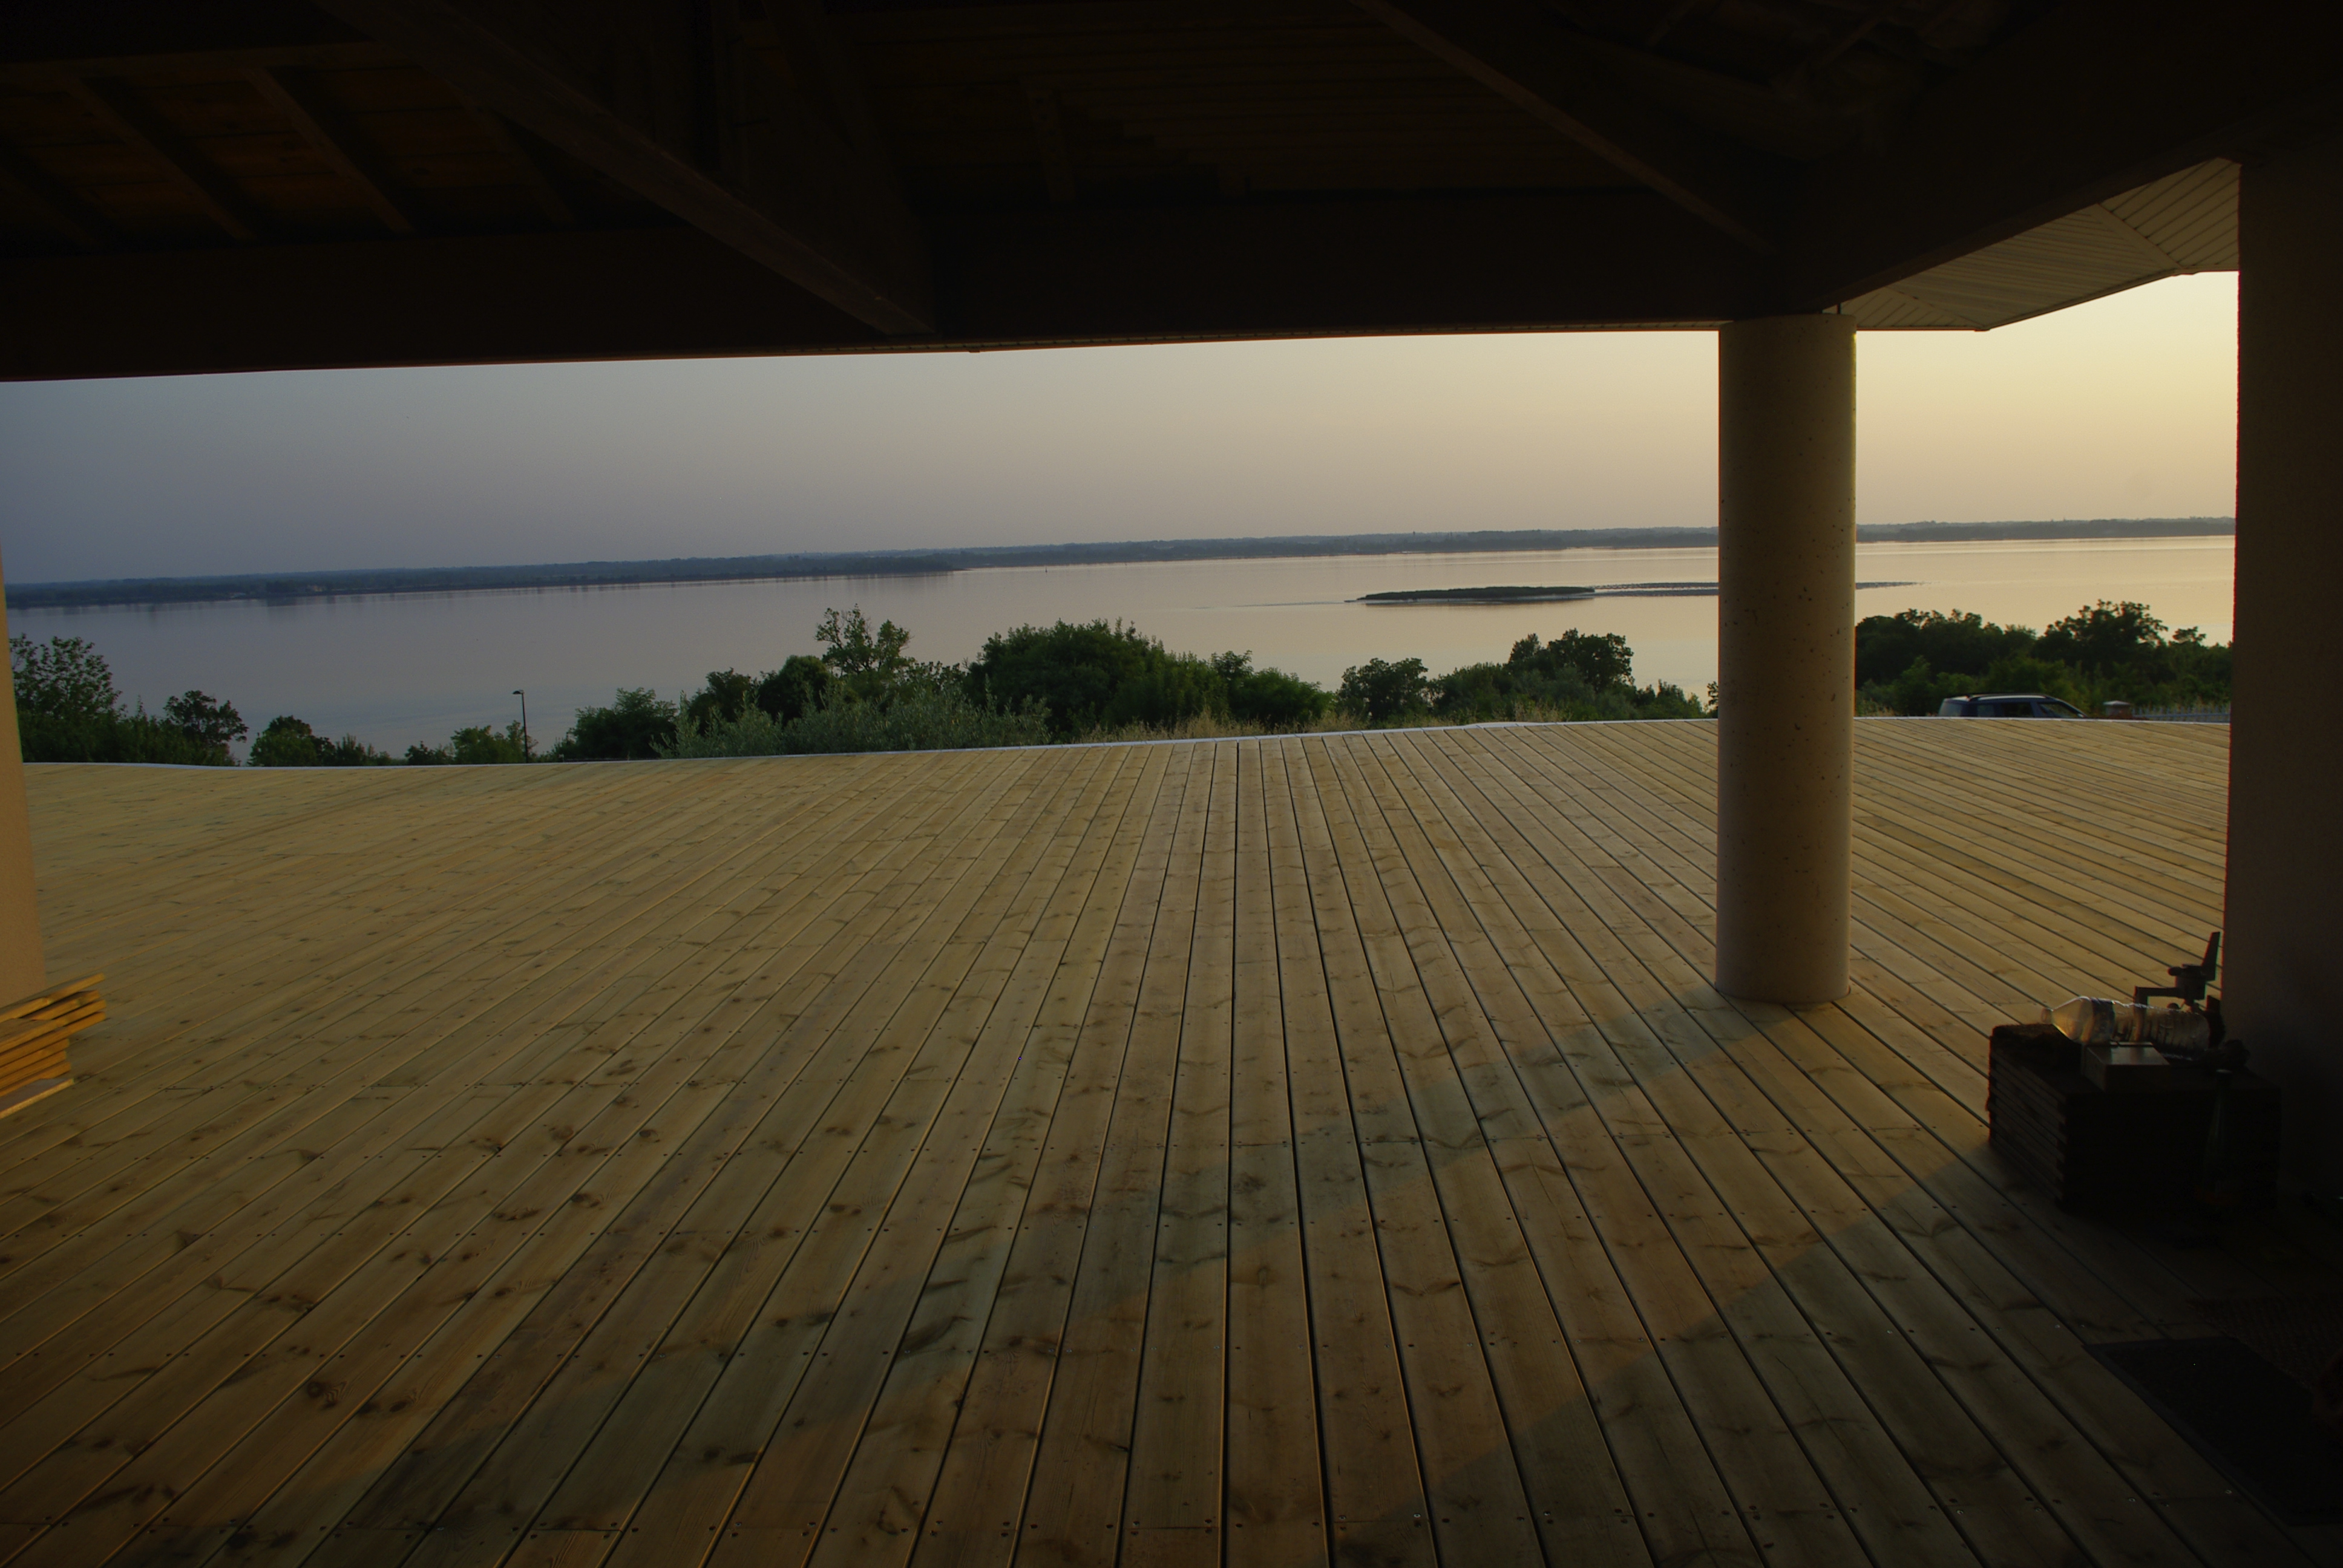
pixel 864 691
pixel 2111 650
pixel 1090 680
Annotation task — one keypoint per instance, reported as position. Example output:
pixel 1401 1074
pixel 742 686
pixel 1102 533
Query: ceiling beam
pixel 550 202
pixel 1050 133
pixel 291 98
pixel 637 90
pixel 1043 277
pixel 51 203
pixel 1517 50
pixel 119 110
pixel 1107 274
pixel 2096 99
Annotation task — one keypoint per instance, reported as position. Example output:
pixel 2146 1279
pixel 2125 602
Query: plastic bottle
pixel 2095 1021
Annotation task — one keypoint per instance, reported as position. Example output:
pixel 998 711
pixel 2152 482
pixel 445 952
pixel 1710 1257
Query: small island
pixel 1476 596
pixel 1529 595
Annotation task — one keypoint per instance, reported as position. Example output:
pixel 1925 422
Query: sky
pixel 2123 408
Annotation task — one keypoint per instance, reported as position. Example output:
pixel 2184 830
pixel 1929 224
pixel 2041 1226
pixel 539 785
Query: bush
pixel 1173 687
pixel 634 726
pixel 1092 676
pixel 920 721
pixel 1578 676
pixel 1380 691
pixel 1268 697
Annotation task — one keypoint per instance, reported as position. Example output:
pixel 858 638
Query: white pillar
pixel 23 970
pixel 2284 942
pixel 1785 657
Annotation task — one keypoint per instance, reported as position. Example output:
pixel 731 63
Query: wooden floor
pixel 1276 1151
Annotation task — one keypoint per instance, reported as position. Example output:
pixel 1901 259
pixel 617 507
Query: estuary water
pixel 398 669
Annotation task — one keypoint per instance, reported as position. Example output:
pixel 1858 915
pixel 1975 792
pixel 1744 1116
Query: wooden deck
pixel 1276 1151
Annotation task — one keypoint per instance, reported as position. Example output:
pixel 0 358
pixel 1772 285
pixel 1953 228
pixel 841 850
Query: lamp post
pixel 524 722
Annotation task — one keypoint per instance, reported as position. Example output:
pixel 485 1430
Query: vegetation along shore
pixel 863 691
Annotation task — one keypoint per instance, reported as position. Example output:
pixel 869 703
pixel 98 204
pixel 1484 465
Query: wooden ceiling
pixel 189 185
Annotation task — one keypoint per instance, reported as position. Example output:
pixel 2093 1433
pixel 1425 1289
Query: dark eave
pixel 194 186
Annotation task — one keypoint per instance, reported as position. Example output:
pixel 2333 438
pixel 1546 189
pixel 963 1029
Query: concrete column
pixel 2284 943
pixel 1785 657
pixel 23 970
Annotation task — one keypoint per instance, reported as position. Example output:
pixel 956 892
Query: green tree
pixel 481 745
pixel 2105 638
pixel 349 751
pixel 1958 643
pixel 285 742
pixel 868 662
pixel 1600 660
pixel 799 687
pixel 636 725
pixel 1380 691
pixel 64 677
pixel 69 710
pixel 206 719
pixel 727 696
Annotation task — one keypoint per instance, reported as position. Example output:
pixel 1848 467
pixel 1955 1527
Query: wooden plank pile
pixel 33 1035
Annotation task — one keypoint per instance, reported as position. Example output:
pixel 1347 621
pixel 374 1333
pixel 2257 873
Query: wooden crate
pixel 33 1035
pixel 2099 1151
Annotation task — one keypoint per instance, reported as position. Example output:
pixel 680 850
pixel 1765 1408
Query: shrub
pixel 1268 697
pixel 1074 671
pixel 1172 686
pixel 920 721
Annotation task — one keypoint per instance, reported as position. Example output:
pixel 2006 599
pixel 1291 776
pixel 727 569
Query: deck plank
pixel 1323 1148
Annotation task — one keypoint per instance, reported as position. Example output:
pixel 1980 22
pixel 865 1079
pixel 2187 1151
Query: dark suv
pixel 2008 705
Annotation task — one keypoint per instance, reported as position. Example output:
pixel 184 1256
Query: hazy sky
pixel 2121 408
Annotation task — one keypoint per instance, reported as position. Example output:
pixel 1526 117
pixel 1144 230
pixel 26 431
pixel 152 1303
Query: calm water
pixel 399 669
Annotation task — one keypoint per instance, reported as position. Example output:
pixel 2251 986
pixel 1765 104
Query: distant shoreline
pixel 283 587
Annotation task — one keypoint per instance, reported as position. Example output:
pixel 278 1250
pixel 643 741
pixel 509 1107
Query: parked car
pixel 2007 705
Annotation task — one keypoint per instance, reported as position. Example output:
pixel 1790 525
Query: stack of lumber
pixel 33 1035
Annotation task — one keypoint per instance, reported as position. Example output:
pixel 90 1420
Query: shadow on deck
pixel 1268 1151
